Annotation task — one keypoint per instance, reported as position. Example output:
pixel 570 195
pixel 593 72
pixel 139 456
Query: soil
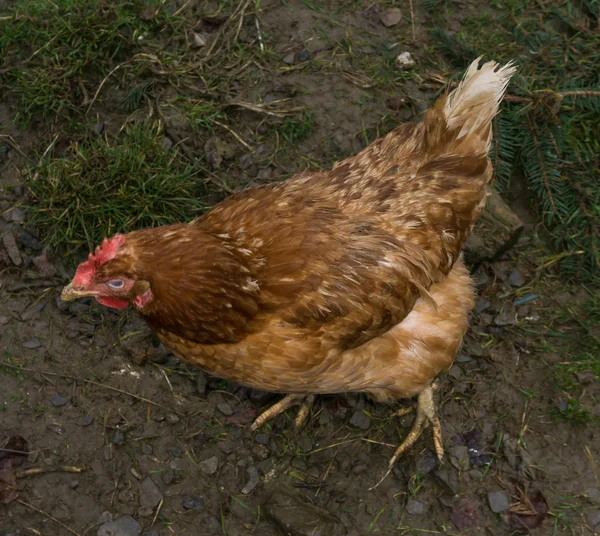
pixel 171 447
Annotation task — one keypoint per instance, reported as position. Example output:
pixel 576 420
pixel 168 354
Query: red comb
pixel 104 252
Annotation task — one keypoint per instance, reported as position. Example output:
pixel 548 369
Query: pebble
pixel 97 128
pixel 414 507
pixel 426 463
pixel 33 311
pixel 593 517
pixel 498 501
pixel 516 278
pixel 391 17
pixel 10 245
pixel 175 451
pixel 289 58
pixel 586 377
pixel 17 214
pixel 405 61
pixel 594 494
pixel 262 439
pixel 212 523
pixel 124 526
pixel 252 482
pixel 225 409
pixel 226 446
pixel 119 437
pixel 191 503
pixel 3 320
pixel 459 456
pixel 361 420
pixel 360 468
pixel 58 401
pixel 74 484
pixel 201 382
pixel 166 143
pixel 463 358
pixel 105 517
pixel 506 317
pixel 29 241
pixel 168 477
pixel 150 494
pixel 210 465
pixel 455 372
pixel 172 418
pixel 482 304
pixel 19 190
pixel 31 344
pixel 85 420
pixel 303 55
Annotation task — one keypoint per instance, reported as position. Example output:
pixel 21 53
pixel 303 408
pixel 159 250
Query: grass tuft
pixel 103 186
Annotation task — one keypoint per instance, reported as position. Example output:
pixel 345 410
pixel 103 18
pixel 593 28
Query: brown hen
pixel 348 280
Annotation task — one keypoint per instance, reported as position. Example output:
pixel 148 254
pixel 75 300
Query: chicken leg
pixel 426 416
pixel 305 401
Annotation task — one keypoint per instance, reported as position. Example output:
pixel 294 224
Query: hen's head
pixel 105 276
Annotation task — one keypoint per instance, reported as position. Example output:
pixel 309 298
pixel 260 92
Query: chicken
pixel 349 280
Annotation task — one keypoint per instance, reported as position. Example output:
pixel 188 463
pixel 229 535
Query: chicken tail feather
pixel 462 119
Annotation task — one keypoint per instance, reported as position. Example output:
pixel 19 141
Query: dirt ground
pixel 171 447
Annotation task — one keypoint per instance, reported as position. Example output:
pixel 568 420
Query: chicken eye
pixel 116 283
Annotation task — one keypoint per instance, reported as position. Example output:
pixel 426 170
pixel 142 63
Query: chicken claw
pixel 426 415
pixel 305 401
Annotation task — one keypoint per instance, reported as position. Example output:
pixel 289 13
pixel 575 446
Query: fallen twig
pixel 42 470
pixel 35 509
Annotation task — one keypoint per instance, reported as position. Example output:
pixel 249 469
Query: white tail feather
pixel 476 100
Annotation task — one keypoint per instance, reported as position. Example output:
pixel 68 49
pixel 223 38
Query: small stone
pixel 119 437
pixel 212 523
pixel 593 494
pixel 426 463
pixel 97 128
pixel 175 451
pixel 396 103
pixel 405 61
pixel 506 317
pixel 586 377
pixel 150 495
pixel 459 456
pixel 226 446
pixel 105 517
pixel 58 401
pixel 262 439
pixel 166 144
pixel 17 214
pixel 172 418
pixel 168 477
pixel 201 382
pixel 191 503
pixel 124 526
pixel 359 468
pixel 74 484
pixel 210 465
pixel 289 58
pixel 85 420
pixel 31 344
pixel 303 55
pixel 246 161
pixel 199 40
pixel 414 507
pixel 253 480
pixel 593 517
pixel 391 17
pixel 19 190
pixel 10 244
pixel 225 409
pixel 463 358
pixel 482 305
pixel 361 420
pixel 455 372
pixel 498 501
pixel 3 320
pixel 516 278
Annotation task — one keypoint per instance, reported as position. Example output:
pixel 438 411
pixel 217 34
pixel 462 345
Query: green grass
pixel 102 186
pixel 54 53
pixel 547 132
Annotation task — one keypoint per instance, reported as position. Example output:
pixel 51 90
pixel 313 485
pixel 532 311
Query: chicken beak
pixel 71 293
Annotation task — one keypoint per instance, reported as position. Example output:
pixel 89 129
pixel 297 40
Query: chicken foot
pixel 426 416
pixel 305 401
